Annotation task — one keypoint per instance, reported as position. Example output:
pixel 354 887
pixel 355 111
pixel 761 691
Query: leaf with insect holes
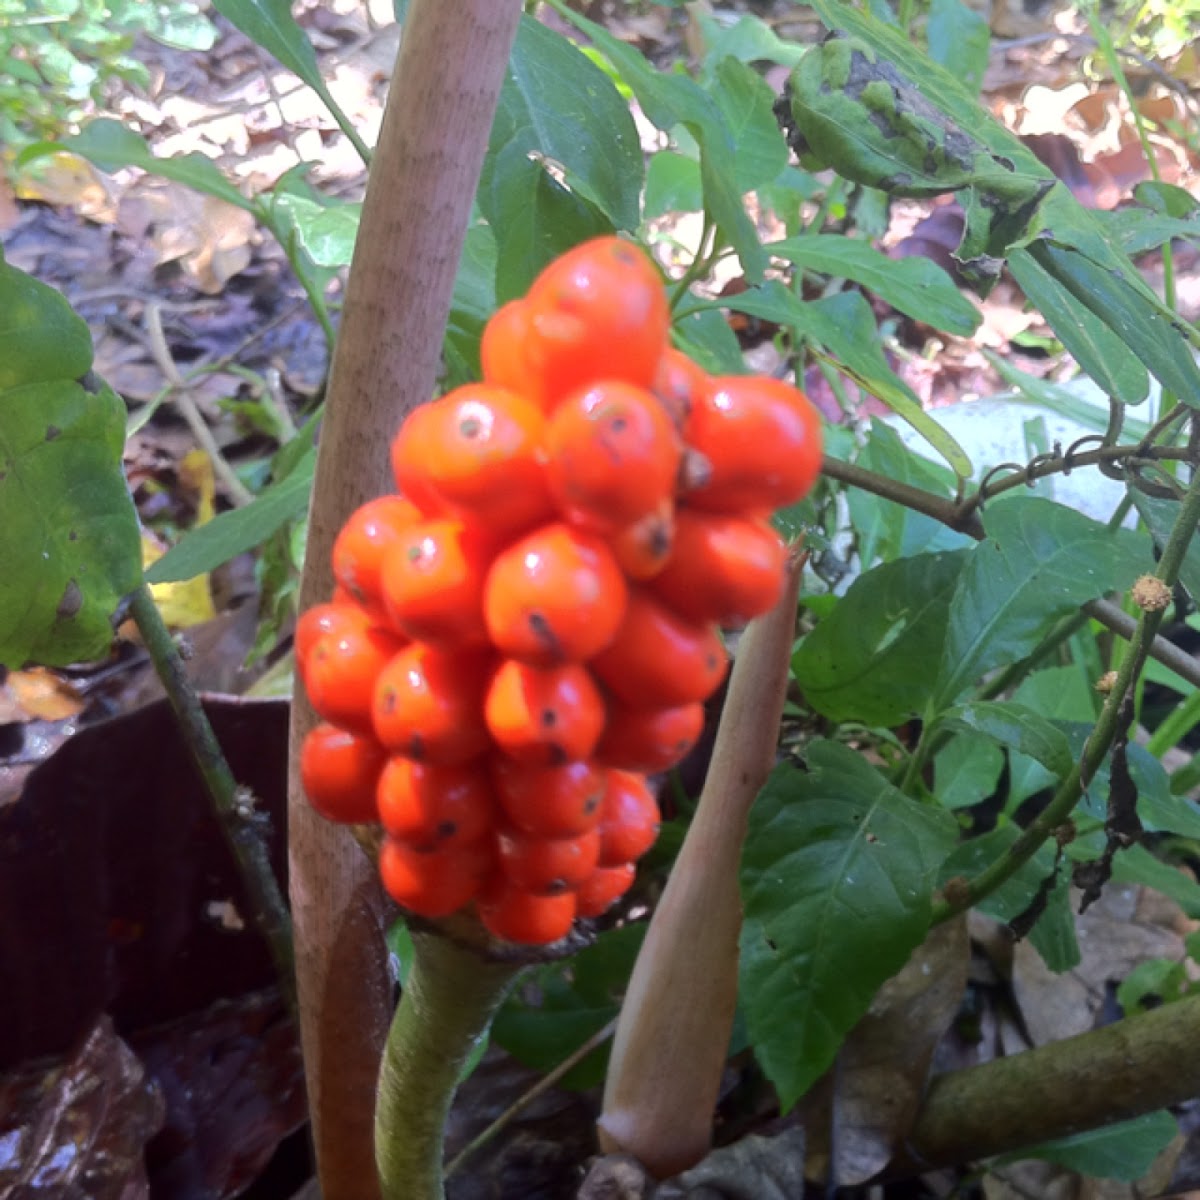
pixel 837 876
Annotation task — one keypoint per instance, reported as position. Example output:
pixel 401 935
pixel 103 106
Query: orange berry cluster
pixel 531 625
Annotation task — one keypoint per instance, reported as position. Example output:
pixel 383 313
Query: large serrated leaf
pixel 872 658
pixel 1039 562
pixel 558 106
pixel 111 146
pixel 69 540
pixel 916 286
pixel 1093 345
pixel 836 880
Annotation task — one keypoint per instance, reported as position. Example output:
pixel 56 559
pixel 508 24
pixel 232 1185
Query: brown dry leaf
pixel 9 212
pixel 38 695
pixel 883 1067
pixel 1114 936
pixel 80 1127
pixel 68 181
pixel 208 237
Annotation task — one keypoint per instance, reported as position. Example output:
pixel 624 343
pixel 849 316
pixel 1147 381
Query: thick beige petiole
pixel 673 1032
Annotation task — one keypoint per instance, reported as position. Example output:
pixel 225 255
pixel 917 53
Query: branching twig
pixel 525 1099
pixel 952 515
pixel 1067 795
pixel 239 493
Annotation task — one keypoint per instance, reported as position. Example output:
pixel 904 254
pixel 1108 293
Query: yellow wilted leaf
pixel 186 602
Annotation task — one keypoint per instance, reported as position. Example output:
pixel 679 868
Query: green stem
pixel 1098 744
pixel 233 805
pixel 447 1005
pixel 1179 722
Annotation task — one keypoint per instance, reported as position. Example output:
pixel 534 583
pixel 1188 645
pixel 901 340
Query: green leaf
pixel 747 103
pixel 1061 695
pixel 534 219
pixel 966 771
pixel 42 338
pixel 1169 200
pixel 270 24
pixel 749 39
pixel 326 231
pixel 845 326
pixel 69 536
pixel 558 106
pixel 1053 934
pixel 1120 298
pixel 959 40
pixel 672 185
pixel 836 880
pixel 1160 515
pixel 1093 345
pixel 573 1001
pixel 1137 865
pixel 706 337
pixel 1016 727
pixel 184 27
pixel 241 529
pixel 110 146
pixel 1125 1150
pixel 1152 983
pixel 916 286
pixel 872 658
pixel 1039 562
pixel 671 100
pixel 888 530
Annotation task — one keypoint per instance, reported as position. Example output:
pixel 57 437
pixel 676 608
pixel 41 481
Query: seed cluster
pixel 530 625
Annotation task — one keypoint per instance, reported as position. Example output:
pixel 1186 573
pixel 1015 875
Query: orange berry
pixel 341 673
pixel 629 819
pixel 551 802
pixel 322 620
pixel 554 596
pixel 612 455
pixel 428 704
pixel 526 919
pixel 723 568
pixel 650 740
pixel 679 383
pixel 478 450
pixel 598 311
pixel 643 548
pixel 761 440
pixel 432 582
pixel 544 715
pixel 547 866
pixel 658 659
pixel 603 888
pixel 339 770
pixel 502 349
pixel 435 882
pixel 427 805
pixel 361 544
